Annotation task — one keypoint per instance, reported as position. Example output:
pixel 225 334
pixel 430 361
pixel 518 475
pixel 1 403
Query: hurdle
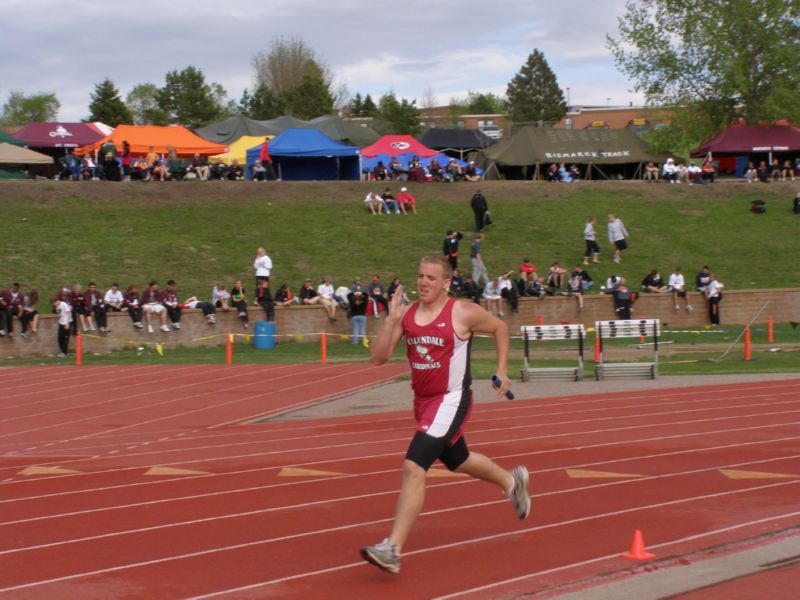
pixel 623 329
pixel 542 333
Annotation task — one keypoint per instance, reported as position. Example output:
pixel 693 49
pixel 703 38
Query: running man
pixel 438 332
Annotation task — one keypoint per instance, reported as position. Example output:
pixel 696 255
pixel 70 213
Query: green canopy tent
pixel 538 146
pixel 7 138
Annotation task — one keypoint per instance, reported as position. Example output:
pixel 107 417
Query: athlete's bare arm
pixel 389 336
pixel 470 318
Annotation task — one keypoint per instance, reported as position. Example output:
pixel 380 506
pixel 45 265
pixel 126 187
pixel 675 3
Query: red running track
pixel 281 509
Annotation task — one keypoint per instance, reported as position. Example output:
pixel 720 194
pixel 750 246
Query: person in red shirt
pixel 527 274
pixel 438 335
pixel 266 160
pixel 406 201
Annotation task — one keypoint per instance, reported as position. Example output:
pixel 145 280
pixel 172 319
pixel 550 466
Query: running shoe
pixel 383 555
pixel 519 495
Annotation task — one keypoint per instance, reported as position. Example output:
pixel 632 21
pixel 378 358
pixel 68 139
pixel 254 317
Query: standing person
pixel 677 284
pixel 263 266
pixel 590 237
pixel 616 235
pixel 479 209
pixel 478 267
pixel 125 155
pixel 358 309
pixel 64 311
pixel 266 160
pixel 438 334
pixel 623 299
pixel 450 247
pixel 713 293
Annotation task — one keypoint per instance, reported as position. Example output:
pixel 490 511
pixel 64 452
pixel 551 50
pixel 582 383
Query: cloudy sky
pixel 50 46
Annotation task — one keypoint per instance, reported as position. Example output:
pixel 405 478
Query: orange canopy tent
pixel 141 137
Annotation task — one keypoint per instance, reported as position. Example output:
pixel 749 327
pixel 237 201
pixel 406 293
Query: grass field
pixel 59 233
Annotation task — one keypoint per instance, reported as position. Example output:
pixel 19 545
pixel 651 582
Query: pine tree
pixel 187 99
pixel 369 109
pixel 310 99
pixel 262 104
pixel 357 106
pixel 534 94
pixel 400 116
pixel 107 107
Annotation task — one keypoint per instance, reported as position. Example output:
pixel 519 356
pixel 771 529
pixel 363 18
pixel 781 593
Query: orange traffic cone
pixel 638 551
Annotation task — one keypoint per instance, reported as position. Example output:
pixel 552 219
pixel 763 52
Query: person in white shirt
pixel 64 311
pixel 616 235
pixel 678 286
pixel 589 236
pixel 714 296
pixel 693 173
pixel 262 265
pixel 491 293
pixel 113 298
pixel 220 297
pixel 374 203
pixel 669 172
pixel 325 291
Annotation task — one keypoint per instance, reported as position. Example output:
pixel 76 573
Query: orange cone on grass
pixel 638 551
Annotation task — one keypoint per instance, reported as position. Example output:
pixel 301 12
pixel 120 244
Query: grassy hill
pixel 58 233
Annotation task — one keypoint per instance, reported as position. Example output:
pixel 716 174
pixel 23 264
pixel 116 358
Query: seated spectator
pixel 374 203
pixel 199 166
pixel 6 314
pixel 406 201
pixel 457 283
pixel 491 293
pixel 454 171
pixel 78 304
pixel 707 171
pixel 325 292
pixel 389 202
pixel 380 172
pixel 651 172
pixel 527 273
pixel 472 291
pixel 377 296
pixel 238 300
pixel 752 173
pixel 307 294
pixel 653 282
pixel 552 173
pixel 763 172
pixel 415 170
pixel 555 276
pixel 111 170
pixel 90 168
pixel 509 291
pixel 264 299
pixel 220 297
pixel 28 315
pixel 393 287
pixel 623 300
pixel 160 171
pixel 259 171
pixel 170 299
pixel 284 296
pixel 152 304
pixel 702 278
pixel 536 288
pixel 611 284
pixel 693 173
pixel 682 173
pixel 219 171
pixel 678 286
pixel 435 169
pixel 586 279
pixel 471 172
pixel 669 172
pixel 575 172
pixel 399 173
pixel 16 299
pixel 209 312
pixel 113 298
pixel 96 306
pixel 140 170
pixel 563 174
pixel 131 304
pixel 788 171
pixel 775 170
pixel 235 171
pixel 575 286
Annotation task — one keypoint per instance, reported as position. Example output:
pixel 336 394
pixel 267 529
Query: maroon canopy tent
pixel 748 139
pixel 61 135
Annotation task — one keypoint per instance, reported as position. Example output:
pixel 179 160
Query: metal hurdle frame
pixel 532 333
pixel 622 329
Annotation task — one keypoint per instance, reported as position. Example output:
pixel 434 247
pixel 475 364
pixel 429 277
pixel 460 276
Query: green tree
pixel 713 62
pixel 398 116
pixel 485 104
pixel 187 99
pixel 142 101
pixel 20 109
pixel 106 105
pixel 356 107
pixel 310 99
pixel 262 104
pixel 369 109
pixel 534 94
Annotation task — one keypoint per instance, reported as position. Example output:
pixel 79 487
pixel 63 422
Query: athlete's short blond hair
pixel 436 259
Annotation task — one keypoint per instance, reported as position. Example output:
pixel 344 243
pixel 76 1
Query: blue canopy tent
pixel 308 154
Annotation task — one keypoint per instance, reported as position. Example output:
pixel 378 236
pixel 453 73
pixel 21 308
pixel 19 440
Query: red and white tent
pixel 394 145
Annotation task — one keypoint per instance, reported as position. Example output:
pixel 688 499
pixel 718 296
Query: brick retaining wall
pixel 737 307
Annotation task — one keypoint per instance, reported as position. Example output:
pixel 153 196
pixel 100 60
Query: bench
pixel 640 328
pixel 542 333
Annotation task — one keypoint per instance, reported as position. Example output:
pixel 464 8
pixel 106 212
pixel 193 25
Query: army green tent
pixel 231 129
pixel 7 138
pixel 539 146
